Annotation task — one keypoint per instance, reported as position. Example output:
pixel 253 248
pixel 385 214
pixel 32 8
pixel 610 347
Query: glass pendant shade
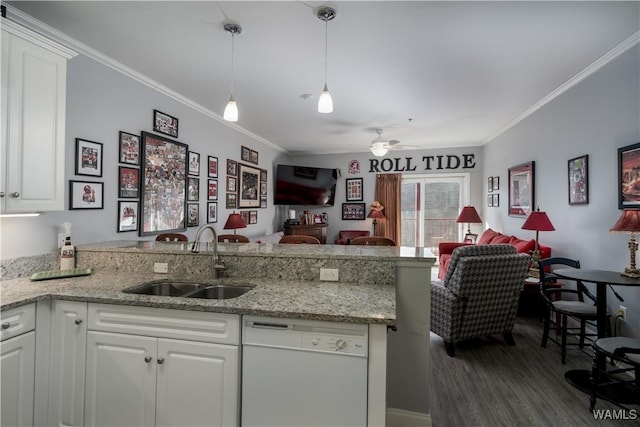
pixel 231 111
pixel 325 103
pixel 379 149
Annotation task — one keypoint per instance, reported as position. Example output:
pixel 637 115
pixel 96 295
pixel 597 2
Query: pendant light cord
pixel 326 48
pixel 233 38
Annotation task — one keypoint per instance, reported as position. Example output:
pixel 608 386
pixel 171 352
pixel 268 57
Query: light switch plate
pixel 160 267
pixel 329 274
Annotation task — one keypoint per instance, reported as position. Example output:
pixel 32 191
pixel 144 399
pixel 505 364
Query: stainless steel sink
pixel 188 289
pixel 220 292
pixel 165 288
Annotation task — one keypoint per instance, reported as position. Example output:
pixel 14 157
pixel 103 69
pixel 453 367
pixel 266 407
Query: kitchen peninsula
pixel 378 286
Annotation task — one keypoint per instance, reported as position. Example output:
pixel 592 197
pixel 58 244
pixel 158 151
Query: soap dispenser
pixel 68 251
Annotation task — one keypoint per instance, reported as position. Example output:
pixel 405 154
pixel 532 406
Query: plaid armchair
pixel 479 295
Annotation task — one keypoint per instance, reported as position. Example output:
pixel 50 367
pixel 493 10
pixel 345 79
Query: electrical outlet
pixel 622 312
pixel 61 237
pixel 329 274
pixel 160 267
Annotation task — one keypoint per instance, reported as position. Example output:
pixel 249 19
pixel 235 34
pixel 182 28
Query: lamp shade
pixel 231 111
pixel 629 222
pixel 469 215
pixel 376 210
pixel 234 221
pixel 538 221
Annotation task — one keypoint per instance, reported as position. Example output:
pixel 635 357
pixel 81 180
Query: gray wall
pixel 596 117
pixel 100 103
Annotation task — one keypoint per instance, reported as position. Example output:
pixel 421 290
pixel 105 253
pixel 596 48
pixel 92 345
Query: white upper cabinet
pixel 34 85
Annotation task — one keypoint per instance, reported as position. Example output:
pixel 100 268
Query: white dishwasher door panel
pixel 288 387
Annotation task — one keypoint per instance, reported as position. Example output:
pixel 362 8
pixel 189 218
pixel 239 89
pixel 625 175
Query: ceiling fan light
pixel 231 111
pixel 379 149
pixel 325 103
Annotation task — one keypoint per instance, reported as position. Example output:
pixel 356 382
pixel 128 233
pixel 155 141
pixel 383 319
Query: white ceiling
pixel 432 74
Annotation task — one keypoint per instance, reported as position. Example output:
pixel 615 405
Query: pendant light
pixel 231 110
pixel 325 103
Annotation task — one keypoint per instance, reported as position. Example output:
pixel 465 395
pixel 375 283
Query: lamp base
pixel 631 272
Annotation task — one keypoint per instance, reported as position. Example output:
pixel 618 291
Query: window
pixel 429 207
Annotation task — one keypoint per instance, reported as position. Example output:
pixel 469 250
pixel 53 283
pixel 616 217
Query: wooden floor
pixel 490 384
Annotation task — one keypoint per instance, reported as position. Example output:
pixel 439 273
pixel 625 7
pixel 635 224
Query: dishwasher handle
pixel 269 325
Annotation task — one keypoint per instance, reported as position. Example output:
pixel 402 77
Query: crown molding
pixel 618 50
pixel 47 31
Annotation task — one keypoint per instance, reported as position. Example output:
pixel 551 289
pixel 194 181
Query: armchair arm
pixel 446 313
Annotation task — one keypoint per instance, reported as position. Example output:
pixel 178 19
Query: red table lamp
pixel 629 223
pixel 470 216
pixel 376 211
pixel 234 222
pixel 538 221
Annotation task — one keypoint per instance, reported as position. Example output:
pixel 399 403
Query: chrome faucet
pixel 217 265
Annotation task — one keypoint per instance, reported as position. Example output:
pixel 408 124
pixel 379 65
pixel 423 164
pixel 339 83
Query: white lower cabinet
pixel 160 380
pixel 17 366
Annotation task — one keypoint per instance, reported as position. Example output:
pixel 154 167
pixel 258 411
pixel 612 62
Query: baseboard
pixel 402 418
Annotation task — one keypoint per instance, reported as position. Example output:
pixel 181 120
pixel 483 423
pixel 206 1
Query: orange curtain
pixel 388 192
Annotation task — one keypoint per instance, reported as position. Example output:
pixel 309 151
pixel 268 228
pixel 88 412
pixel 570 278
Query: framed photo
pixel 353 211
pixel 163 198
pixel 496 183
pixel 88 157
pixel 232 182
pixel 263 188
pixel 86 195
pixel 128 182
pixel 253 157
pixel 521 189
pixel 232 168
pixel 212 212
pixel 213 167
pixel 194 163
pixel 212 189
pixel 578 173
pixel 245 216
pixel 629 177
pixel 232 200
pixel 193 189
pixel 263 201
pixel 490 184
pixel 165 124
pixel 496 200
pixel 354 189
pixel 490 200
pixel 193 214
pixel 245 154
pixel 129 148
pixel 248 186
pixel 253 217
pixel 470 238
pixel 127 216
pixel 263 175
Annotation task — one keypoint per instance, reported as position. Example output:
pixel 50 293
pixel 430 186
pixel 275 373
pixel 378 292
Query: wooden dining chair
pixel 372 241
pixel 171 237
pixel 299 238
pixel 232 238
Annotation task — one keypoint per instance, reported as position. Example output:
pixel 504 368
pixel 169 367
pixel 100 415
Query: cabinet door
pixel 120 380
pixel 197 384
pixel 34 116
pixel 68 353
pixel 17 363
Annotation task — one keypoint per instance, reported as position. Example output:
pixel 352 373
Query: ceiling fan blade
pixel 393 142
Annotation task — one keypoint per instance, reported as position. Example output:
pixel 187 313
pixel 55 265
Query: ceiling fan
pixel 380 146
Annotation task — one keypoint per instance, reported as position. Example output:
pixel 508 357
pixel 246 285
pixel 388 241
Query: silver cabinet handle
pixel 15 194
pixel 148 359
pixel 77 321
pixel 160 360
pixel 6 325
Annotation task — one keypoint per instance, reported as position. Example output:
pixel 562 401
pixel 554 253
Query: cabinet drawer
pixel 17 321
pixel 165 323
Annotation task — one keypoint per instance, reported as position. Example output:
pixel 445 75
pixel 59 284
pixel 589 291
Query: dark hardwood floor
pixel 491 384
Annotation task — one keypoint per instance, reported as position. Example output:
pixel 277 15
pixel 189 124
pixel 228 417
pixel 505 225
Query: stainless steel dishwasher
pixel 303 373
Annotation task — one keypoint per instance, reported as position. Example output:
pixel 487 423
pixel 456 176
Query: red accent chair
pixel 345 236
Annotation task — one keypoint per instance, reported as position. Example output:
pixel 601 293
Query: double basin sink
pixel 189 289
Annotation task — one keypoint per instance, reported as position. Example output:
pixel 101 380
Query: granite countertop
pixel 341 302
pixel 361 252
